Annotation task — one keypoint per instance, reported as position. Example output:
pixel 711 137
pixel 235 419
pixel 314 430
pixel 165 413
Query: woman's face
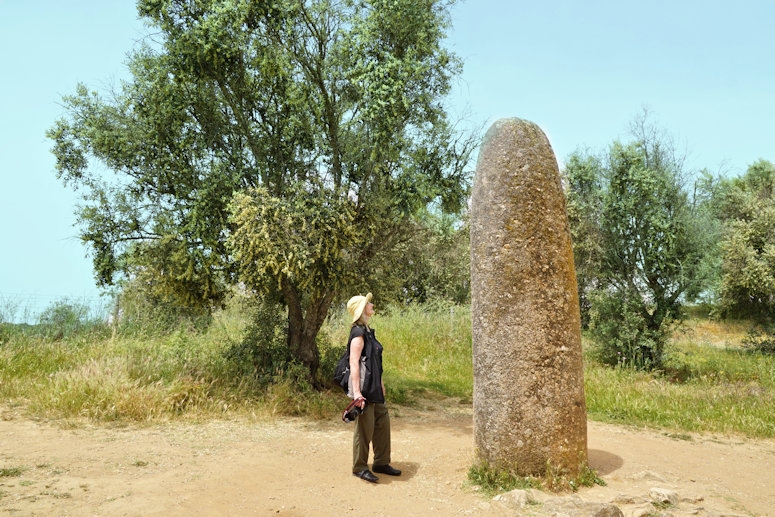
pixel 369 310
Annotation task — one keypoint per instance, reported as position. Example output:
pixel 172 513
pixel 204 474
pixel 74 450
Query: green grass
pixel 703 389
pixel 429 349
pixel 709 385
pixel 492 481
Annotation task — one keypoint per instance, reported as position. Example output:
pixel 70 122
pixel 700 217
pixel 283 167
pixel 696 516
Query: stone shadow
pixel 604 462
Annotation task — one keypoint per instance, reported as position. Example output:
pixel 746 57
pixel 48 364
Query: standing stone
pixel 529 407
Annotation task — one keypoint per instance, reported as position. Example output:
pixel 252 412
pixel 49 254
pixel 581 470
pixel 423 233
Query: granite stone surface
pixel 529 406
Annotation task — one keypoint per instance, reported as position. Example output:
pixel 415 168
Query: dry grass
pixel 710 332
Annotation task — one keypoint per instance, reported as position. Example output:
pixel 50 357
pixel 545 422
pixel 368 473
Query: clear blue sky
pixel 581 70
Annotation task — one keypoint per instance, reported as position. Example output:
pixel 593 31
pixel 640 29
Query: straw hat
pixel 356 305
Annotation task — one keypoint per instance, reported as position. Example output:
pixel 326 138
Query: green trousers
pixel 371 427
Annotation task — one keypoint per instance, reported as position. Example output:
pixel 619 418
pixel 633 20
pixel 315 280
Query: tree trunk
pixel 304 324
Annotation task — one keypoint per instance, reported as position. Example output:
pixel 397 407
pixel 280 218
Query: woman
pixel 372 426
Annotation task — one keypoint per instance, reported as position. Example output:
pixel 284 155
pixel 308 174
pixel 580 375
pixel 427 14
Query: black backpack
pixel 342 370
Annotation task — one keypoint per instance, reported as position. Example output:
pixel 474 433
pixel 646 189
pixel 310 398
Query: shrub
pixel 66 318
pixel 263 353
pixel 12 471
pixel 761 339
pixel 62 318
pixel 622 333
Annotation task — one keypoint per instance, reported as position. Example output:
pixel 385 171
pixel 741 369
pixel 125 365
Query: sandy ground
pixel 290 467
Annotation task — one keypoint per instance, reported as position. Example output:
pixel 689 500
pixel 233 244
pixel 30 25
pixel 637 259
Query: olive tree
pixel 639 249
pixel 584 185
pixel 283 145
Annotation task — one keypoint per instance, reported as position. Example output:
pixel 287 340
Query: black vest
pixel 372 351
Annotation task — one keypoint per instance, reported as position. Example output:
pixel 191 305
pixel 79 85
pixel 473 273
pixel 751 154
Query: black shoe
pixel 386 469
pixel 366 475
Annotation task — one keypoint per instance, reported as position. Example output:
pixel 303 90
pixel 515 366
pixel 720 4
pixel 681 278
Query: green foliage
pixel 262 355
pixel 301 238
pixel 305 133
pixel 705 202
pixel 62 319
pixel 67 318
pixel 648 257
pixel 329 356
pixel 639 245
pixel 627 339
pixel 65 315
pixel 432 262
pixel 8 472
pixel 584 205
pixel 747 211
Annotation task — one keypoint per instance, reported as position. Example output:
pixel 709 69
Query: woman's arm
pixel 356 347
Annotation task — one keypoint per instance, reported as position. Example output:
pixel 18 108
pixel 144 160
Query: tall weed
pixel 429 348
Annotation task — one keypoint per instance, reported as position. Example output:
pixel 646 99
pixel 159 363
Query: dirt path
pixel 293 468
